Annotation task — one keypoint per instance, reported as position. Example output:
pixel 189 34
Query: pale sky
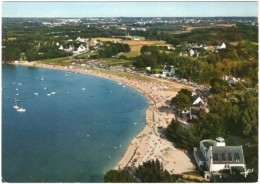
pixel 128 9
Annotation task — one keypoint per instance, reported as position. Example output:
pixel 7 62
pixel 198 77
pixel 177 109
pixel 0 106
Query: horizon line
pixel 141 17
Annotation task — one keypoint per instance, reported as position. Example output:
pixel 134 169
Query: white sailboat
pixel 42 78
pixel 21 109
pixel 36 94
pixel 45 87
pixel 15 106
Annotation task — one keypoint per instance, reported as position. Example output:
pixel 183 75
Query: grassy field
pixel 137 45
pixel 128 75
pixel 131 54
pixel 11 39
pixel 85 55
pixel 114 61
pixel 225 25
pixel 57 61
pixel 166 51
pixel 103 39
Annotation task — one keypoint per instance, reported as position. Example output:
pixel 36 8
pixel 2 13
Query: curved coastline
pixel 148 144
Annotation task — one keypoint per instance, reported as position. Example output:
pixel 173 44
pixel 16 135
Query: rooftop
pixel 199 154
pixel 167 68
pixel 228 154
pixel 207 143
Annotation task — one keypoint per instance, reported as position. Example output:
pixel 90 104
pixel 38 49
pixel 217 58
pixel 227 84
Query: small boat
pixel 14 82
pixel 123 86
pixel 135 123
pixel 83 89
pixel 45 88
pixel 120 83
pixel 49 94
pixel 16 89
pixel 18 100
pixel 17 94
pixel 53 93
pixel 42 78
pixel 21 109
pixel 19 84
pixel 66 75
pixel 7 97
pixel 36 94
pixel 15 106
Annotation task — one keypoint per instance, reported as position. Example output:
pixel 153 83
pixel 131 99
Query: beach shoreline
pixel 148 144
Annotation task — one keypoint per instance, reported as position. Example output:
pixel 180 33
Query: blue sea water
pixel 73 136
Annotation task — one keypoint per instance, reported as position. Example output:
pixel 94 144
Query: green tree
pixel 182 101
pixel 121 176
pixel 153 171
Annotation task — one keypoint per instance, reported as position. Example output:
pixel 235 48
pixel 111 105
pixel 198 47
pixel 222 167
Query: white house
pixel 61 48
pixel 215 157
pixel 221 45
pixel 168 70
pixel 80 39
pixel 81 48
pixel 170 47
pixel 95 42
pixel 69 48
pixel 136 38
pixel 191 52
pixel 205 46
pixel 183 54
pixel 148 68
pixel 57 43
pixel 198 100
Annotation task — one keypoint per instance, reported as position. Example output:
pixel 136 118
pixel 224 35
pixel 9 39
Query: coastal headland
pixel 149 144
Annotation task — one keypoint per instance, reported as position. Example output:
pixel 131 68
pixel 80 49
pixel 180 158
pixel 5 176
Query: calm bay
pixel 75 134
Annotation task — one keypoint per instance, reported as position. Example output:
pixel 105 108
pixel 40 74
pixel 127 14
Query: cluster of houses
pixel 194 53
pixel 196 46
pixel 84 45
pixel 215 157
pixel 232 80
pixel 191 53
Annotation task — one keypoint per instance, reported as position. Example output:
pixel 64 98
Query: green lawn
pixel 166 51
pixel 132 54
pixel 127 75
pixel 57 61
pixel 85 55
pixel 114 61
pixel 157 70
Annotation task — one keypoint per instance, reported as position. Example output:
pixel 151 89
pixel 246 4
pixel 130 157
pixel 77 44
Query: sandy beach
pixel 148 144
